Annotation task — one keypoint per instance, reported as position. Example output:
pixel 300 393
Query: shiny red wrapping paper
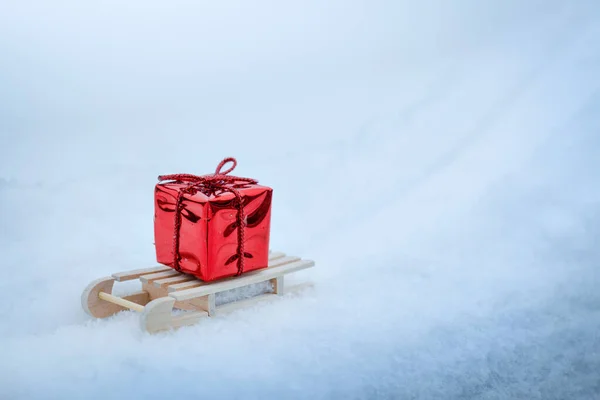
pixel 208 239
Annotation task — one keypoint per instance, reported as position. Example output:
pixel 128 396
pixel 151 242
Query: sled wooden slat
pixel 186 285
pixel 136 273
pixel 172 280
pixel 248 279
pixel 279 259
pixel 164 289
pixel 159 275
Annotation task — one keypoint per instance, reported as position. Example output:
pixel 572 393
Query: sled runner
pixel 164 289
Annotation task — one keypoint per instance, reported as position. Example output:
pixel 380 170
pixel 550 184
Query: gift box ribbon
pixel 220 180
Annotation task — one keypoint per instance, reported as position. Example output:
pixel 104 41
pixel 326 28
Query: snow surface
pixel 438 159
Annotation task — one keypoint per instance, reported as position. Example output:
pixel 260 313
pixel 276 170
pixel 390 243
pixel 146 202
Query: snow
pixel 438 160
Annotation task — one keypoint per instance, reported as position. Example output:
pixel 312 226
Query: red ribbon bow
pixel 209 183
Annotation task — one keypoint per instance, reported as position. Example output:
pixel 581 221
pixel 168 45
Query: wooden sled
pixel 164 289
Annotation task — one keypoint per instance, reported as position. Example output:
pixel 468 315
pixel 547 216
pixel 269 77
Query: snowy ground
pixel 439 160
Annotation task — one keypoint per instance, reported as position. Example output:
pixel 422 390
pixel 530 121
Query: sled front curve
pixel 164 289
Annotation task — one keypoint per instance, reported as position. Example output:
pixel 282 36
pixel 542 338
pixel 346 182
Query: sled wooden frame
pixel 164 289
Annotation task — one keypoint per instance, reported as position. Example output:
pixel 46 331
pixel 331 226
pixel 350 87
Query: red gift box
pixel 212 226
